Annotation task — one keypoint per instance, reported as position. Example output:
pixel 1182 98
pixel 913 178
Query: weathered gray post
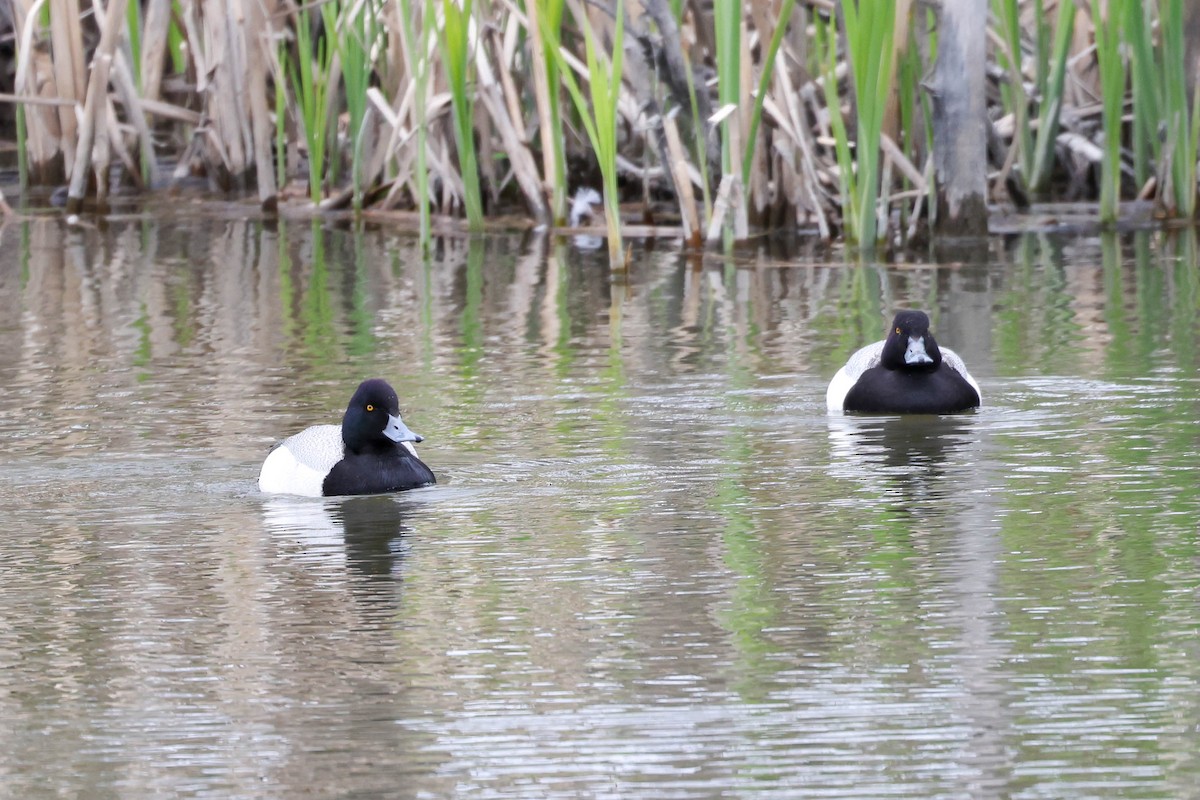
pixel 960 119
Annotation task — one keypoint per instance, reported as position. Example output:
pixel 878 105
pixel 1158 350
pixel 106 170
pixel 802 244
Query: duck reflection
pixel 906 458
pixel 365 533
pixel 373 531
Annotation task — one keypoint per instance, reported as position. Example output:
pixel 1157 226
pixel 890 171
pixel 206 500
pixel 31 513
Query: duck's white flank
pixel 867 357
pixel 300 463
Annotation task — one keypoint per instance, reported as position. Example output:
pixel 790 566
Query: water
pixel 653 566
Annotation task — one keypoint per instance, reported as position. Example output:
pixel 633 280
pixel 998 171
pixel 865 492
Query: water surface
pixel 653 565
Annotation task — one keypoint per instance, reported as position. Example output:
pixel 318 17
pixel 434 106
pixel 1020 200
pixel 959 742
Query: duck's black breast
pixel 375 473
pixel 887 391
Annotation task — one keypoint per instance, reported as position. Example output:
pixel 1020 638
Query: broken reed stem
pixel 681 174
pixel 66 39
pixel 547 15
pixel 154 40
pixel 256 33
pixel 95 104
pixel 523 165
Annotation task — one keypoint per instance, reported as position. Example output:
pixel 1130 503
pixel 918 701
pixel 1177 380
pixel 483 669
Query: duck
pixel 906 373
pixel 371 452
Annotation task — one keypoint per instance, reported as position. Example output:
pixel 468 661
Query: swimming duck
pixel 906 373
pixel 370 453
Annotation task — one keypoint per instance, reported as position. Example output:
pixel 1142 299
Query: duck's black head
pixel 372 422
pixel 909 344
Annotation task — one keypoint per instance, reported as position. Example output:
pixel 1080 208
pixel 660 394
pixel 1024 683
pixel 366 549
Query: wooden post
pixel 960 119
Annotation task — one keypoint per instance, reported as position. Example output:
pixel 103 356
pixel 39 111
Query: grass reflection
pixel 362 341
pixel 1036 329
pixel 287 287
pixel 1185 298
pixel 860 309
pixel 471 343
pixel 316 311
pixel 1123 351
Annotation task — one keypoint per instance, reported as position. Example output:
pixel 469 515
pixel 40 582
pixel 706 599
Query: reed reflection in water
pixel 653 564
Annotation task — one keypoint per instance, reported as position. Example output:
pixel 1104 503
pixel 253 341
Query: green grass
pixel 1145 85
pixel 326 68
pixel 418 47
pixel 310 82
pixel 456 58
pixel 133 30
pixel 357 34
pixel 1036 138
pixel 548 16
pixel 869 38
pixel 869 29
pixel 764 82
pixel 1180 115
pixel 1111 60
pixel 913 105
pixel 599 117
pixel 727 19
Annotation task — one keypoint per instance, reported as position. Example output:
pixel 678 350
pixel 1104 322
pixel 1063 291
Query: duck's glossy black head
pixel 372 421
pixel 910 345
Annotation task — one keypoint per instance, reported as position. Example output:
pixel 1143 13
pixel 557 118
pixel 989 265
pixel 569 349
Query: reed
pixel 1111 61
pixel 438 153
pixel 1035 134
pixel 727 21
pixel 175 46
pixel 1179 111
pixel 598 113
pixel 545 34
pixel 869 28
pixel 281 117
pixel 417 45
pixel 700 143
pixel 916 117
pixel 456 39
pixel 764 81
pixel 357 34
pixel 133 29
pixel 1145 142
pixel 310 82
pixel 826 47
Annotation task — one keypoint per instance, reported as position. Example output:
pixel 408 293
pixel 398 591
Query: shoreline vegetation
pixel 882 123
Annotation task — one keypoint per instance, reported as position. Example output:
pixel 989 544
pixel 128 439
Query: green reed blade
pixel 764 80
pixel 456 58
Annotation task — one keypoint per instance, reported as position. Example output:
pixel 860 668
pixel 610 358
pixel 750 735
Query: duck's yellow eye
pixel 898 332
pixel 370 407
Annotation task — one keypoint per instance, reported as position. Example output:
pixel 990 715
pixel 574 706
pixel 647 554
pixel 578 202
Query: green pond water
pixel 654 565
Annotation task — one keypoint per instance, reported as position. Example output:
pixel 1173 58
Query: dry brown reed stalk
pixel 795 142
pixel 69 69
pixel 681 174
pixel 135 113
pixel 221 108
pixel 218 46
pixel 901 39
pixel 510 131
pixel 93 129
pixel 35 79
pixel 154 49
pixel 258 38
pixel 551 177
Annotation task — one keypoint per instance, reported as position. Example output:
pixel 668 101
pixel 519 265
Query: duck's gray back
pixel 318 447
